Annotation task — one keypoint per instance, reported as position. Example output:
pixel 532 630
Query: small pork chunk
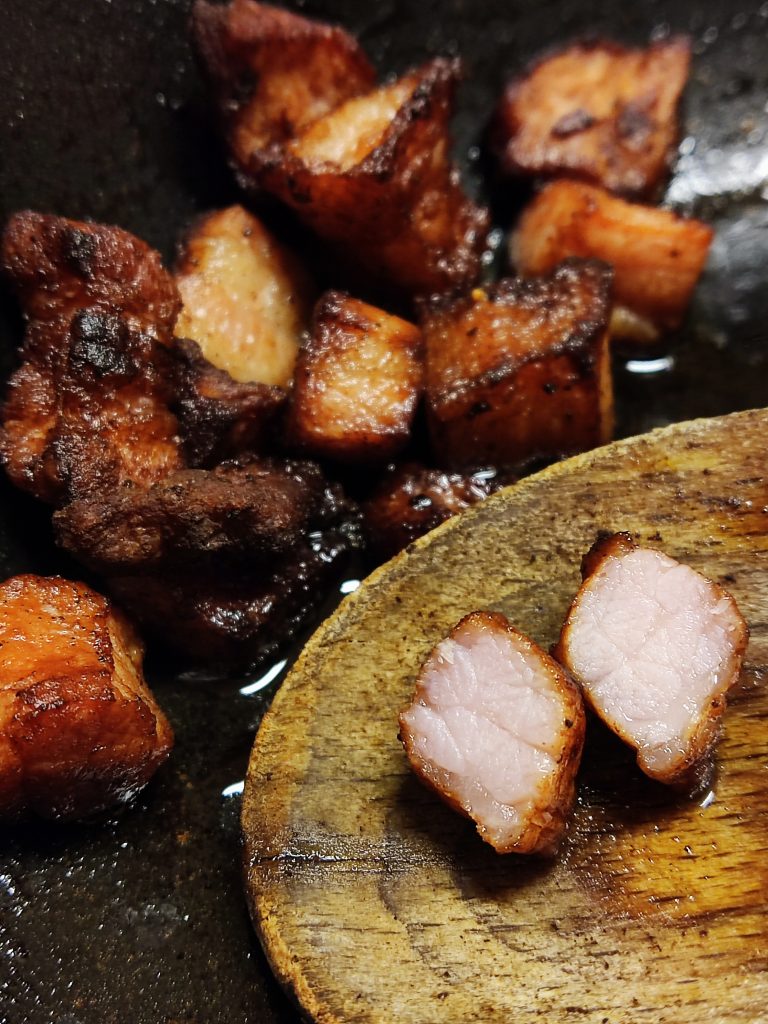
pixel 79 729
pixel 357 383
pixel 89 404
pixel 599 111
pixel 221 418
pixel 496 728
pixel 274 72
pixel 655 647
pixel 656 255
pixel 246 300
pixel 521 371
pixel 411 500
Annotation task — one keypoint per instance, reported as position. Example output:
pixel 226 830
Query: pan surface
pixel 103 114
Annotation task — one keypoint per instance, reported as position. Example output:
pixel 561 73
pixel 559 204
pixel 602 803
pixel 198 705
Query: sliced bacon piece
pixel 655 647
pixel 496 728
pixel 596 110
pixel 79 729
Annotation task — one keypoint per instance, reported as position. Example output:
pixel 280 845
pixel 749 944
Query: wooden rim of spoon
pixel 376 903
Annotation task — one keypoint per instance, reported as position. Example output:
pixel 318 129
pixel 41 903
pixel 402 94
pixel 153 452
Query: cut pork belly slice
pixel 655 647
pixel 496 728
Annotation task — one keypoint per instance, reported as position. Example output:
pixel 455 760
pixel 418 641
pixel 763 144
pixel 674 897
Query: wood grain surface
pixel 376 903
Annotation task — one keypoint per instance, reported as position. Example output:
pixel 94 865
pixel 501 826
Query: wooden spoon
pixel 376 903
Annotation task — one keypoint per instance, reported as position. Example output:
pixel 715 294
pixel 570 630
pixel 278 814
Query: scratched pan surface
pixel 102 114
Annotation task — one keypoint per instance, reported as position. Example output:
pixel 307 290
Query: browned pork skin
pixel 656 256
pixel 496 728
pixel 599 111
pixel 357 382
pixel 79 729
pixel 655 647
pixel 522 370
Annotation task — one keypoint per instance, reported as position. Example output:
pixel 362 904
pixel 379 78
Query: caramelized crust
pixel 246 300
pixel 521 371
pixel 357 382
pixel 237 513
pixel 657 256
pixel 597 111
pixel 220 418
pixel 274 72
pixel 411 500
pixel 89 404
pixel 79 729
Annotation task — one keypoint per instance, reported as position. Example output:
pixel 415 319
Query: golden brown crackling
pixel 521 370
pixel 598 111
pixel 79 729
pixel 546 819
pixel 246 299
pixel 274 72
pixel 221 418
pixel 656 255
pixel 357 382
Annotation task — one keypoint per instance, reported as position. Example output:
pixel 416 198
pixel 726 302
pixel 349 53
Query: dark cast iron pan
pixel 103 114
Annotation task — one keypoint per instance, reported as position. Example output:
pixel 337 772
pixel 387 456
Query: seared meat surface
pixel 656 255
pixel 357 382
pixel 597 110
pixel 79 729
pixel 655 647
pixel 496 728
pixel 521 370
pixel 246 299
pixel 411 500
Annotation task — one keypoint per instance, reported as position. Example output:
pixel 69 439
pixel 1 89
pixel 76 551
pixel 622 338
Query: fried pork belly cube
pixel 357 382
pixel 656 255
pixel 411 500
pixel 599 111
pixel 220 418
pixel 89 403
pixel 274 72
pixel 246 300
pixel 238 513
pixel 496 729
pixel 520 371
pixel 655 647
pixel 79 729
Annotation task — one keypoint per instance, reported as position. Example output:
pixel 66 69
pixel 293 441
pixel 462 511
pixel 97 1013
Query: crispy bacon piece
pixel 656 255
pixel 220 418
pixel 655 647
pixel 239 512
pixel 357 382
pixel 368 170
pixel 79 729
pixel 597 111
pixel 521 371
pixel 496 728
pixel 411 500
pixel 89 404
pixel 246 300
pixel 274 72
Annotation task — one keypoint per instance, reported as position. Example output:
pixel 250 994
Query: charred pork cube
pixel 655 647
pixel 245 299
pixel 220 418
pixel 597 111
pixel 656 255
pixel 496 729
pixel 79 729
pixel 411 500
pixel 274 72
pixel 357 382
pixel 522 371
pixel 89 404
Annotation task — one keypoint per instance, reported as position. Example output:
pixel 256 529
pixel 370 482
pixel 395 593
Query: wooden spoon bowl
pixel 376 903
